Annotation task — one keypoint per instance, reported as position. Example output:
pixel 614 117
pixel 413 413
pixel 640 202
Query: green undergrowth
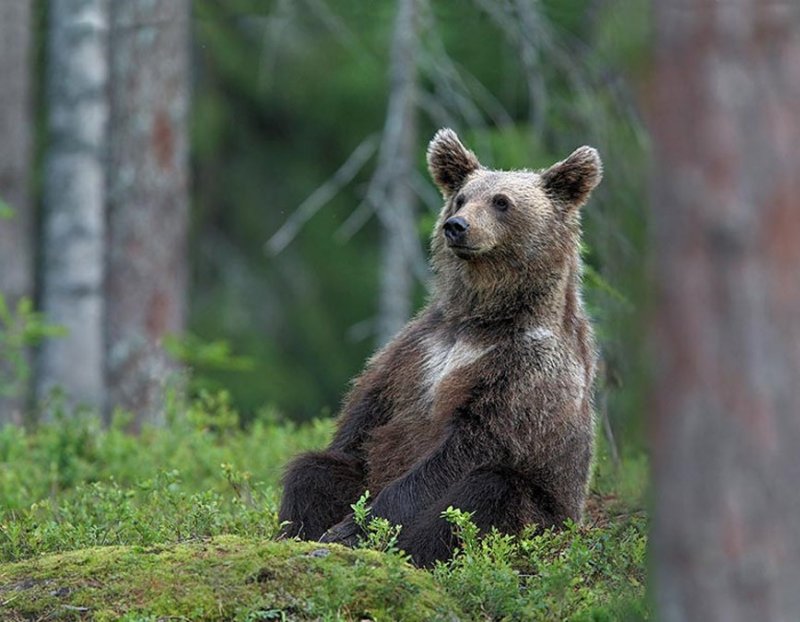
pixel 179 524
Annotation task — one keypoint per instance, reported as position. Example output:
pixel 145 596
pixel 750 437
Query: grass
pixel 179 523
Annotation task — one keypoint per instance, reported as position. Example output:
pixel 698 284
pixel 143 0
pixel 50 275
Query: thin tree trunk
pixel 148 205
pixel 16 233
pixel 74 199
pixel 726 427
pixel 396 165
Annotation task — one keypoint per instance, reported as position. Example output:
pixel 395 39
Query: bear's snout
pixel 455 230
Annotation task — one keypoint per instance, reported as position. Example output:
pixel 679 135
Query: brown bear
pixel 482 402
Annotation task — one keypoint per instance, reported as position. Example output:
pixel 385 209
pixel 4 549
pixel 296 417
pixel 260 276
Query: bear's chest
pixel 430 393
pixel 444 362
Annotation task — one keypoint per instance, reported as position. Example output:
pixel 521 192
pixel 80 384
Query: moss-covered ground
pixel 221 578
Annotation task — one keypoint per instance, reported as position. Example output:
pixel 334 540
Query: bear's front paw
pixel 345 532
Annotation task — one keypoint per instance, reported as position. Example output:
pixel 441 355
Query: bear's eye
pixel 459 202
pixel 501 202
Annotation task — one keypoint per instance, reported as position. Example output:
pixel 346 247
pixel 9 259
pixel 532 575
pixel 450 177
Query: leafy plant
pixel 548 574
pixel 378 533
pixel 20 329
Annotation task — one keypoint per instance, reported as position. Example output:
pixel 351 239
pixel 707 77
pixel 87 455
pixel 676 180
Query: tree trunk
pixel 16 231
pixel 726 426
pixel 396 166
pixel 148 204
pixel 73 226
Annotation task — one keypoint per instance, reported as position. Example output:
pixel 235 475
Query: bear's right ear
pixel 449 162
pixel 571 181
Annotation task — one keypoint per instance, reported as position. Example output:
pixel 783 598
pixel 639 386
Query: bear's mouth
pixel 464 252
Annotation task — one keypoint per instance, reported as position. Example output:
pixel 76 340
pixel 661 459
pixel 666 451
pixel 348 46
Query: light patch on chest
pixel 539 333
pixel 443 359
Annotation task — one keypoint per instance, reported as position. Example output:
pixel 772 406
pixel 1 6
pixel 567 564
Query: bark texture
pixel 726 426
pixel 148 205
pixel 74 199
pixel 401 249
pixel 16 235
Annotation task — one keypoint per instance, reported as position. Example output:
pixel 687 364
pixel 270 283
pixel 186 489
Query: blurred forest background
pixel 277 143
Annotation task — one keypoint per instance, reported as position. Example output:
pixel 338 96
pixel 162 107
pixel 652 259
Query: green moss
pixel 222 578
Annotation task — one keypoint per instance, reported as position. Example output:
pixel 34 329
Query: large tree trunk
pixel 400 248
pixel 74 199
pixel 726 427
pixel 16 236
pixel 148 205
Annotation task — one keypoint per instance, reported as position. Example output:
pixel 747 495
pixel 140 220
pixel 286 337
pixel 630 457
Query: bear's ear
pixel 571 181
pixel 449 162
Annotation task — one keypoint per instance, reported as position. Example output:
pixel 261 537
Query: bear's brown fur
pixel 483 401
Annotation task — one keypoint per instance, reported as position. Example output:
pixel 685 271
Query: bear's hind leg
pixel 498 498
pixel 318 489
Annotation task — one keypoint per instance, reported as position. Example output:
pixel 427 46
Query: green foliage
pixel 73 483
pixel 511 146
pixel 155 511
pixel 202 493
pixel 202 357
pixel 20 328
pixel 576 573
pixel 214 412
pixel 378 533
pixel 6 211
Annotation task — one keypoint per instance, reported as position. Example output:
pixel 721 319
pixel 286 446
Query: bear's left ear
pixel 450 162
pixel 572 180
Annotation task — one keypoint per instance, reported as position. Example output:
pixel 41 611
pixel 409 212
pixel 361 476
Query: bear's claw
pixel 345 532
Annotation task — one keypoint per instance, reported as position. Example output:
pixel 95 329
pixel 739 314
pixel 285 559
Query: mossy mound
pixel 224 578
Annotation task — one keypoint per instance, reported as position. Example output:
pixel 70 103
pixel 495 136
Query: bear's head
pixel 506 233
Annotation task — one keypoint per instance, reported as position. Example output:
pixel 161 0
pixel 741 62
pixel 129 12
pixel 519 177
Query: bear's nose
pixel 455 228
